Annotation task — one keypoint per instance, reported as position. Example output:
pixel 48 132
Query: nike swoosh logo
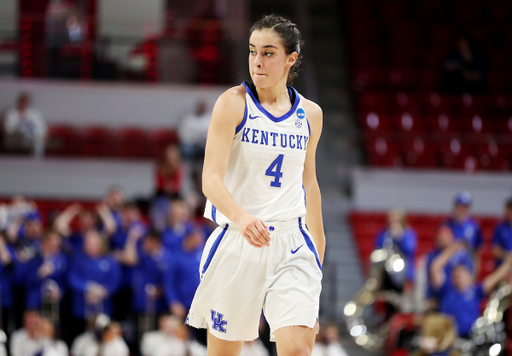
pixel 297 249
pixel 252 117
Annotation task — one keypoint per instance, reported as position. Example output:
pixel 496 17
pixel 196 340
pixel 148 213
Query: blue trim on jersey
pixel 214 214
pixel 214 249
pixel 242 124
pixel 269 115
pixel 309 127
pixel 310 244
pixel 304 190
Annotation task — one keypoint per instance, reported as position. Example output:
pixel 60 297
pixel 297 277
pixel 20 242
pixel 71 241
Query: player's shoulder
pixel 314 115
pixel 313 110
pixel 233 96
pixel 230 106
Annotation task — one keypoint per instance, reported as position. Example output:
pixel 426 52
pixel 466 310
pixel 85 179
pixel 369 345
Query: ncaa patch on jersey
pixel 301 114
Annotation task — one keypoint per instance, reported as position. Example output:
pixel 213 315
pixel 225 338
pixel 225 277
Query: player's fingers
pixel 249 236
pixel 262 231
pixel 257 237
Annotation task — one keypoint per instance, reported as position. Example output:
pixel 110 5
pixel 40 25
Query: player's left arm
pixel 313 198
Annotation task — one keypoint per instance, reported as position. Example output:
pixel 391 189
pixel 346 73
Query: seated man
pixel 24 128
pixel 502 237
pixel 461 298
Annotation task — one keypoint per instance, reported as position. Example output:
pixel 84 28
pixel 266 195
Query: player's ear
pixel 292 58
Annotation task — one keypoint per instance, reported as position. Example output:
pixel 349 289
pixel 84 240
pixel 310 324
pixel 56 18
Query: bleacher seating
pixel 98 141
pixel 366 226
pixel 396 49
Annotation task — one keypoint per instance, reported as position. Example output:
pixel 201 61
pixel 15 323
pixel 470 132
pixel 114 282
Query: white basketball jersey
pixel 266 162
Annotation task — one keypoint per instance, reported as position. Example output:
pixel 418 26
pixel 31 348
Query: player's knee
pixel 298 349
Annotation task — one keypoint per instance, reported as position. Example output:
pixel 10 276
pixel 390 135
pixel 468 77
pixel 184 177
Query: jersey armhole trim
pixel 242 124
pixel 214 214
pixel 309 127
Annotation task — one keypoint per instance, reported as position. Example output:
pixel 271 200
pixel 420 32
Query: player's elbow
pixel 208 184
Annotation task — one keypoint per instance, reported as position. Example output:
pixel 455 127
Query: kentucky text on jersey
pixel 261 137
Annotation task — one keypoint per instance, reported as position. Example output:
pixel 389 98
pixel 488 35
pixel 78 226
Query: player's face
pixel 268 61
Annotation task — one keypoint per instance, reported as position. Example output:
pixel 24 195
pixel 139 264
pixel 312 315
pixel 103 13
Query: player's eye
pixel 268 54
pixel 252 52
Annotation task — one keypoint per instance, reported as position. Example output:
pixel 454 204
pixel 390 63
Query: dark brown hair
pixel 289 34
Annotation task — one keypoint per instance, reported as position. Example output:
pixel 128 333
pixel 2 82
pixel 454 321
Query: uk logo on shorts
pixel 218 323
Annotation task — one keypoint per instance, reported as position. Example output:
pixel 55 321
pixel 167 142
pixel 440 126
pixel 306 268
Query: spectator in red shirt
pixel 169 173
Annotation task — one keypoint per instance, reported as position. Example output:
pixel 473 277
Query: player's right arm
pixel 226 116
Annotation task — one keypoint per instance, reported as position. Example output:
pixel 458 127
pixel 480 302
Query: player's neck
pixel 275 95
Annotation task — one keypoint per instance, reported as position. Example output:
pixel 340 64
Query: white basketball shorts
pixel 239 281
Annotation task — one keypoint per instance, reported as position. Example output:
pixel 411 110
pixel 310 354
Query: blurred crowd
pixel 453 291
pixel 108 261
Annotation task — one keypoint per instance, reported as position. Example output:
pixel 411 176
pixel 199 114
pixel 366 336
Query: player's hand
pixel 254 230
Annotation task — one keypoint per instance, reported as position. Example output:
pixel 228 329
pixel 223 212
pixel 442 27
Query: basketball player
pixel 259 173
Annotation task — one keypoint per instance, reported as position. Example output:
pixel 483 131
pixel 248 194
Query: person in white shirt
pixel 27 341
pixel 151 339
pixel 87 343
pixel 172 339
pixel 25 128
pixel 113 343
pixel 50 345
pixel 192 131
pixel 327 343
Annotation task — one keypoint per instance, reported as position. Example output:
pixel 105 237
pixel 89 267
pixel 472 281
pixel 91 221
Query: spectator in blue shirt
pixel 7 259
pixel 464 228
pixel 93 278
pixel 150 262
pixel 461 297
pixel 87 220
pixel 179 225
pixel 502 237
pixel 402 239
pixel 444 240
pixel 44 272
pixel 182 277
pixel 114 201
pixel 131 224
pixel 26 233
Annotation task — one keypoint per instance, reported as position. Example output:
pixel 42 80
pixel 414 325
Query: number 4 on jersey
pixel 274 170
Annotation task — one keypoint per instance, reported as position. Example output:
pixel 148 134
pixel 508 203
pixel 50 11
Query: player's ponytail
pixel 290 37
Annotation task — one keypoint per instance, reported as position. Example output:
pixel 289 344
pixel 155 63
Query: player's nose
pixel 258 60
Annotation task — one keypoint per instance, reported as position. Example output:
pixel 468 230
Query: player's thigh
pixel 218 347
pixel 295 340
